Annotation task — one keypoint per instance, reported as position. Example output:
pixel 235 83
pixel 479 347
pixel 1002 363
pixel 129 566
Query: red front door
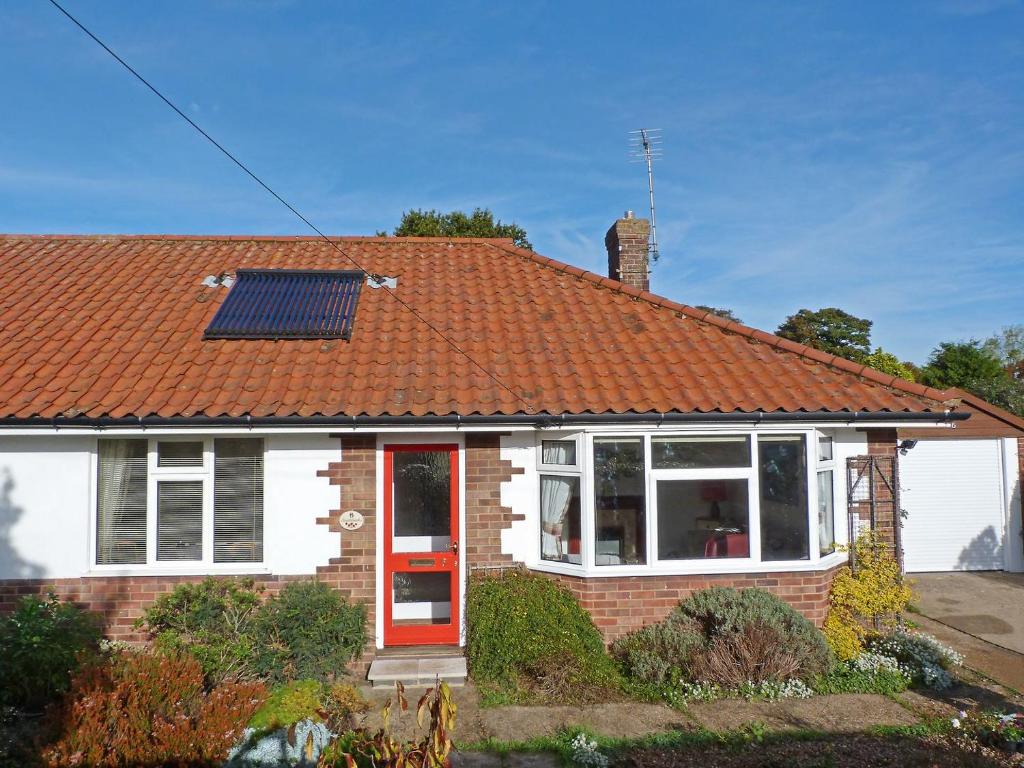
pixel 421 544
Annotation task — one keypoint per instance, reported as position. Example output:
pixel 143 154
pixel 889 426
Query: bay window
pixel 175 501
pixel 664 502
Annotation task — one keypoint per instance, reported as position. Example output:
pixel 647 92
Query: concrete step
pixel 386 671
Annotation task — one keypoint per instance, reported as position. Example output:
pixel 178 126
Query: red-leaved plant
pixel 143 709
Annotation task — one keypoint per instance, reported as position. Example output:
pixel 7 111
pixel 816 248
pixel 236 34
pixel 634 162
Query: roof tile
pixel 113 326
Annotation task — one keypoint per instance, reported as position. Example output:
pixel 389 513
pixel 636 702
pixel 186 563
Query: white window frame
pixel 697 566
pixel 156 474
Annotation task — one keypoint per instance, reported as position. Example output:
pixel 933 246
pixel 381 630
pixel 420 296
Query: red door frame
pixel 423 634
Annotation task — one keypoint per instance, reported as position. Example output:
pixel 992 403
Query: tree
pixel 887 362
pixel 1008 347
pixel 725 314
pixel 1006 392
pixel 964 364
pixel 479 223
pixel 831 330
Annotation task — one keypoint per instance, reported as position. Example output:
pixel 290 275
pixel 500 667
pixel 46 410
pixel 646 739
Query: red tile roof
pixel 112 326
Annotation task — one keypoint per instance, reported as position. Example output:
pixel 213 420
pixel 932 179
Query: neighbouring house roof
pixel 113 326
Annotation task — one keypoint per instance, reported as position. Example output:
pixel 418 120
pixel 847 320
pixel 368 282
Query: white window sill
pixel 256 569
pixel 694 567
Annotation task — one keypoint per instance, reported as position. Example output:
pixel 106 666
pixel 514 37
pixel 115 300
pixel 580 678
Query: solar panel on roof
pixel 288 304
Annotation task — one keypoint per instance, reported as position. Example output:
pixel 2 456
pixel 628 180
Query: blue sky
pixel 862 155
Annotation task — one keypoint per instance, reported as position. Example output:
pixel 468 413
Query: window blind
pixel 238 500
pixel 121 503
pixel 179 520
pixel 175 454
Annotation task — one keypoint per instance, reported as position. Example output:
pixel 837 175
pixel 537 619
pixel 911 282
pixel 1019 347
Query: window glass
pixel 238 500
pixel 703 518
pixel 558 452
pixel 824 448
pixel 620 526
pixel 699 452
pixel 179 520
pixel 783 475
pixel 826 513
pixel 560 529
pixel 121 502
pixel 177 454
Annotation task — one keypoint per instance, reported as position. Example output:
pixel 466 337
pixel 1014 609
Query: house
pixel 395 414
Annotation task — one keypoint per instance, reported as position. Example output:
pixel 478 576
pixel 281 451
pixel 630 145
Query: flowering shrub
pixel 143 709
pixel 869 599
pixel 585 752
pixel 867 673
pixel 923 658
pixel 765 690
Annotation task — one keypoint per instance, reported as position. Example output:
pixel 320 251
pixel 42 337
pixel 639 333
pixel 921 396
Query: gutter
pixel 537 420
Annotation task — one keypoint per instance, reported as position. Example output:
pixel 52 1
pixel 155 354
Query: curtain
pixel 118 524
pixel 555 493
pixel 557 452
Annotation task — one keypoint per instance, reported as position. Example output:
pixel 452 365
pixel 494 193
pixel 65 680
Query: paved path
pixel 987 604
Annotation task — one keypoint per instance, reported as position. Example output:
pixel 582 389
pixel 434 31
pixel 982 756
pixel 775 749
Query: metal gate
pixel 873 500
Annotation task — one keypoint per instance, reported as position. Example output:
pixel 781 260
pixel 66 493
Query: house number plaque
pixel 351 520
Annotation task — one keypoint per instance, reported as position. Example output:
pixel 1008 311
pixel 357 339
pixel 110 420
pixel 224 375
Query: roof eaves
pixel 862 371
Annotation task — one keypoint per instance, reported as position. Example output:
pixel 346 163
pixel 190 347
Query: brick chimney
pixel 626 242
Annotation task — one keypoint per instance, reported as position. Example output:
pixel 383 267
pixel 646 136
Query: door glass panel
pixel 422 501
pixel 421 598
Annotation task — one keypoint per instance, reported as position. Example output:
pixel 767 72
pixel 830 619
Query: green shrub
pixel 727 637
pixel 653 653
pixel 139 708
pixel 287 704
pixel 41 644
pixel 309 631
pixel 211 620
pixel 523 628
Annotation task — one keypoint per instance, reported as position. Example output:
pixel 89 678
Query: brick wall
pixel 626 242
pixel 485 517
pixel 620 605
pixel 354 570
pixel 120 600
pixel 882 443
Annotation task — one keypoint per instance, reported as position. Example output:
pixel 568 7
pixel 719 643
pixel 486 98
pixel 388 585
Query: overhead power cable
pixel 369 275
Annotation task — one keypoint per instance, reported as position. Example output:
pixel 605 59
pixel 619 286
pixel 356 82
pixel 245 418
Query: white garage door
pixel 953 496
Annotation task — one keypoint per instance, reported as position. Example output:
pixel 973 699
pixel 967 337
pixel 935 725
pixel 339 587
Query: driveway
pixel 988 604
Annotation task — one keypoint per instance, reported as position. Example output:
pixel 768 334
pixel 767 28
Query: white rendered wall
pixel 293 498
pixel 45 492
pixel 519 494
pixel 846 443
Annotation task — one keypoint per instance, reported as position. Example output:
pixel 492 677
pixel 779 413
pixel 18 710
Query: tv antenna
pixel 645 147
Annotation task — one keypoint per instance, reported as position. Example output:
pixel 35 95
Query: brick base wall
pixel 119 600
pixel 620 605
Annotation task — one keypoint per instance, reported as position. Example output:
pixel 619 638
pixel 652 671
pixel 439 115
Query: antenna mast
pixel 645 147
